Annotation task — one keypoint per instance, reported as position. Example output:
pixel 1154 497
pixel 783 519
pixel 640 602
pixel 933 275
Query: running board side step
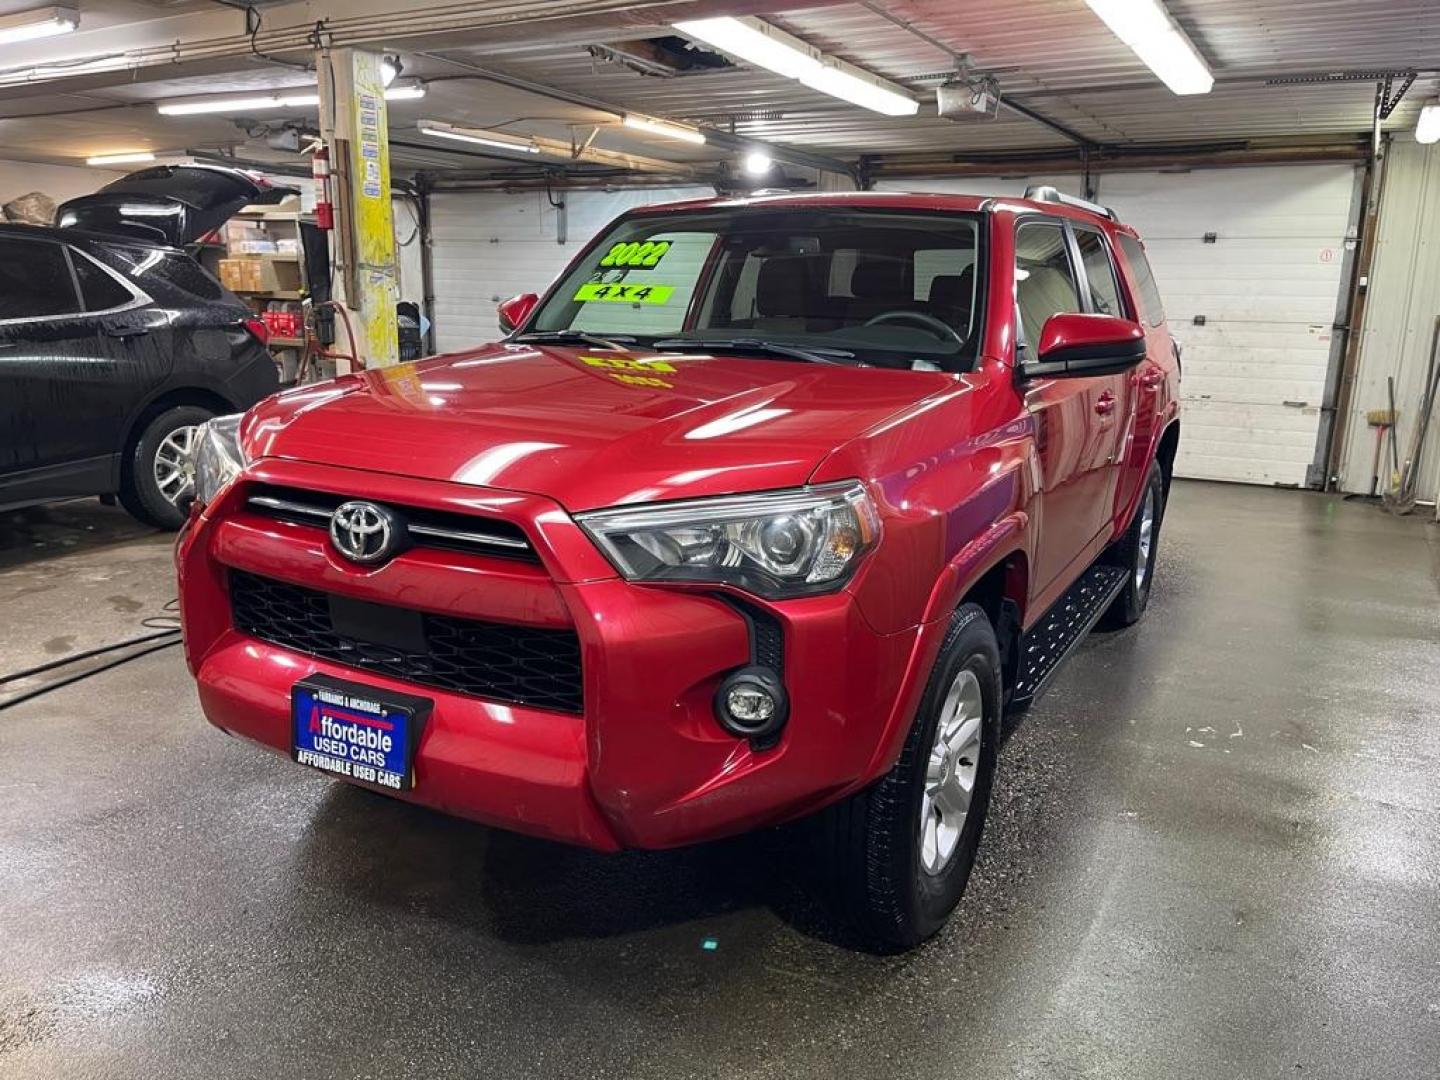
pixel 1046 644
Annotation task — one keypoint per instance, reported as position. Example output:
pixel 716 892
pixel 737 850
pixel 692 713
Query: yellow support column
pixel 354 126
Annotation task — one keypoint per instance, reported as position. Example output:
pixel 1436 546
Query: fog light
pixel 752 704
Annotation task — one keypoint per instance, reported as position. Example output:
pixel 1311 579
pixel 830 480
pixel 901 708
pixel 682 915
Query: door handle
pixel 121 331
pixel 1105 404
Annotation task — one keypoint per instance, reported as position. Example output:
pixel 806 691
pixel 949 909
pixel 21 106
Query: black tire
pixel 1126 554
pixel 874 839
pixel 140 491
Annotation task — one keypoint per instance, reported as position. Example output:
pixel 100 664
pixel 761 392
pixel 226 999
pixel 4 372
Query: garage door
pixel 1249 264
pixel 489 246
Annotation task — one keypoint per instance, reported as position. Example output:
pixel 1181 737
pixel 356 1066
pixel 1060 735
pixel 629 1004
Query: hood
pixel 171 204
pixel 588 428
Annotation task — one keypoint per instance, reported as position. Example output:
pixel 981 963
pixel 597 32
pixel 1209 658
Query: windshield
pixel 893 289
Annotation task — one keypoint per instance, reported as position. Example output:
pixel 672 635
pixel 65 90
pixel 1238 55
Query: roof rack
pixel 1049 193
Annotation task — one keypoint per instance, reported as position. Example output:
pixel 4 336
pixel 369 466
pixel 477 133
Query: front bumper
pixel 645 764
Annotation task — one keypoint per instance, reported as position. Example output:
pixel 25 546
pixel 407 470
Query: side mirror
pixel 1072 344
pixel 515 311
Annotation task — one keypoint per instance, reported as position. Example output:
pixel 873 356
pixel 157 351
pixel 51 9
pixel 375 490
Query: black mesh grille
pixel 521 664
pixel 769 641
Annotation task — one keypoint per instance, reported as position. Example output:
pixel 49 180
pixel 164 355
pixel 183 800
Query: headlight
pixel 779 544
pixel 218 457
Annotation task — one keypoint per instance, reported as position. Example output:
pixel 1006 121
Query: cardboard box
pixel 258 274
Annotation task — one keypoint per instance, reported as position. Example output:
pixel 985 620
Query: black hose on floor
pixel 166 627
pixel 29 694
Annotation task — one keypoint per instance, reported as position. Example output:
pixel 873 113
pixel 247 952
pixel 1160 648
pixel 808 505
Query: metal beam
pixel 714 136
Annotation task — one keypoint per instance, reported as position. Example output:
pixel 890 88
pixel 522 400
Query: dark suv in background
pixel 115 344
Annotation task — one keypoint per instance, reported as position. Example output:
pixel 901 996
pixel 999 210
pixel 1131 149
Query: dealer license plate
pixel 356 731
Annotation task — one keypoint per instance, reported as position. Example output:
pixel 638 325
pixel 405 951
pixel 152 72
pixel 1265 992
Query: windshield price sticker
pixel 623 293
pixel 647 254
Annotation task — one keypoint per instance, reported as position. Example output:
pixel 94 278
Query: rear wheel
pixel 902 850
pixel 1135 553
pixel 159 479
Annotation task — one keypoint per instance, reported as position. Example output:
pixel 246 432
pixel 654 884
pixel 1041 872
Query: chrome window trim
pixel 138 298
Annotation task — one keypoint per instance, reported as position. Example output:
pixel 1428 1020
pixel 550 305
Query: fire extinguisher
pixel 320 170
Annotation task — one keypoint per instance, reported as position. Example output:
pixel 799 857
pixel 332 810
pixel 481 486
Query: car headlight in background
pixel 776 544
pixel 218 457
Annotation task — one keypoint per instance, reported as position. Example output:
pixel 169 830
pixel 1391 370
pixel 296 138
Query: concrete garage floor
pixel 1215 852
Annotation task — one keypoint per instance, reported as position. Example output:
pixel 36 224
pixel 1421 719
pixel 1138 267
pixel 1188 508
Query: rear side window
pixel 173 268
pixel 1151 309
pixel 1044 280
pixel 35 280
pixel 100 291
pixel 1099 273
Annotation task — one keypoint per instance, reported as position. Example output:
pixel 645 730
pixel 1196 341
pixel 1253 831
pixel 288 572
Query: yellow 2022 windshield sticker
pixel 623 293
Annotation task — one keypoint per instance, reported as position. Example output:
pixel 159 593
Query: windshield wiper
pixel 813 356
pixel 574 337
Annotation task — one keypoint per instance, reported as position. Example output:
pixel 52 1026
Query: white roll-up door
pixel 491 246
pixel 1252 308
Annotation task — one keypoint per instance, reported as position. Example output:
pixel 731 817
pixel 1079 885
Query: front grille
pixel 520 664
pixel 423 527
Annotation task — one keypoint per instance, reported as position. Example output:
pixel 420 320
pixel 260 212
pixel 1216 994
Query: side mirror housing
pixel 515 311
pixel 1078 345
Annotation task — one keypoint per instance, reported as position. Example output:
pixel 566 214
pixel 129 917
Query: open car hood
pixel 171 204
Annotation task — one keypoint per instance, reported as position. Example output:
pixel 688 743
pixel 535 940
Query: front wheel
pixel 1135 553
pixel 902 851
pixel 159 479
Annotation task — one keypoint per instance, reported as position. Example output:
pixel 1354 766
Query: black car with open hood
pixel 115 344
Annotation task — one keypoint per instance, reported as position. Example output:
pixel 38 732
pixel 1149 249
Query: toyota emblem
pixel 364 532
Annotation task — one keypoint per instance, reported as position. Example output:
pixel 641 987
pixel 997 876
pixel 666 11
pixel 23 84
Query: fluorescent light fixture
pixel 758 163
pixel 389 69
pixel 670 130
pixel 859 91
pixel 40 23
pixel 1427 125
pixel 413 91
pixel 1147 28
pixel 480 136
pixel 757 42
pixel 280 99
pixel 120 159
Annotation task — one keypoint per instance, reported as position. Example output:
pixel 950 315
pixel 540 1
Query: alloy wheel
pixel 950 772
pixel 1147 538
pixel 175 465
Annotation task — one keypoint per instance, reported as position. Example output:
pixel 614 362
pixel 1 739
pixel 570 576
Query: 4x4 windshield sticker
pixel 647 254
pixel 623 293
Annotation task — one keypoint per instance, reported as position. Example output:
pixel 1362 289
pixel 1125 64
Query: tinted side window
pixel 1151 309
pixel 34 280
pixel 173 268
pixel 1044 280
pixel 1099 273
pixel 100 291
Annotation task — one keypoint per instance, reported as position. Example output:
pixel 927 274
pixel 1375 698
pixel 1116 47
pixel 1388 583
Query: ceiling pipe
pixel 1131 159
pixel 722 140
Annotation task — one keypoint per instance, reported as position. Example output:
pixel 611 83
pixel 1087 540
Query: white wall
pixel 489 246
pixel 1402 303
pixel 60 182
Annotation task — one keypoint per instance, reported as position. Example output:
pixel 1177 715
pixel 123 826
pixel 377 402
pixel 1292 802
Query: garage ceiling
pixel 1054 57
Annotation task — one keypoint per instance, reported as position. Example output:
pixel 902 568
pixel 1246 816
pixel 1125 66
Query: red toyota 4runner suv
pixel 770 506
